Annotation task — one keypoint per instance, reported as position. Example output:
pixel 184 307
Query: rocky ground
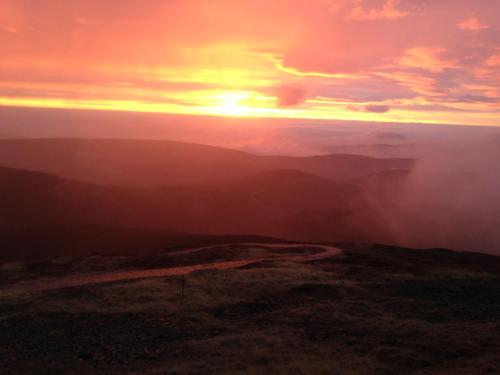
pixel 369 310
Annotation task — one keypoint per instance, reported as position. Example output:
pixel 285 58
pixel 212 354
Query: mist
pixel 451 198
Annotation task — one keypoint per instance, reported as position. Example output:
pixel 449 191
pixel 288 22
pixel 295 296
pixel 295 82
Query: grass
pixel 371 310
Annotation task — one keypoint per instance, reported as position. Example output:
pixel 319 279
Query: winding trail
pixel 48 284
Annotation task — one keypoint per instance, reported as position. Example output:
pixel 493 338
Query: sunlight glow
pixel 319 59
pixel 231 104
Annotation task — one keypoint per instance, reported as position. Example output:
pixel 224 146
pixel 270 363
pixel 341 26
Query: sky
pixel 433 61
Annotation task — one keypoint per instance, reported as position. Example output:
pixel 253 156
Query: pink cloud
pixel 389 11
pixel 362 10
pixel 472 24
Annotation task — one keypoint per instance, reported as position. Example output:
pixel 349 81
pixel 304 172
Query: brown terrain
pixel 253 308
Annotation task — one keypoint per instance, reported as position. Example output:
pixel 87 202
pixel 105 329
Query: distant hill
pixel 275 203
pixel 147 163
pixel 281 193
pixel 35 198
pixel 378 150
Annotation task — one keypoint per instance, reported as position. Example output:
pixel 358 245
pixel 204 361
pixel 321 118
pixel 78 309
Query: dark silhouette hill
pixel 288 203
pixel 35 198
pixel 283 192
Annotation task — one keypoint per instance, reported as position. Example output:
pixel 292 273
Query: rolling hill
pixel 149 163
pixel 59 188
pixel 286 203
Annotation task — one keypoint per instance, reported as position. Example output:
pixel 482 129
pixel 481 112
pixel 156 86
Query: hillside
pixel 368 310
pixel 248 206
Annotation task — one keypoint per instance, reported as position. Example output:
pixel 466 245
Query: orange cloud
pixel 427 58
pixel 494 60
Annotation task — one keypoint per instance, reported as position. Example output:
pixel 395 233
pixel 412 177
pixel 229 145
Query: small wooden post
pixel 182 288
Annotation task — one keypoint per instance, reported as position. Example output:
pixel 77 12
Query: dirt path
pixel 48 284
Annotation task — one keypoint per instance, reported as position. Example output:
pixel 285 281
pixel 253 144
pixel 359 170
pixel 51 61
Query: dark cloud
pixel 377 108
pixel 290 95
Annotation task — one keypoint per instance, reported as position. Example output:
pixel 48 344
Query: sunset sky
pixel 378 60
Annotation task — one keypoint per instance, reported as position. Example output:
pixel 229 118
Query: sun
pixel 230 104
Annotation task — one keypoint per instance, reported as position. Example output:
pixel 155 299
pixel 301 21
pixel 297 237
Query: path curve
pixel 48 284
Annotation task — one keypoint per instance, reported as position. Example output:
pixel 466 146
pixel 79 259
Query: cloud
pixel 10 29
pixel 370 108
pixel 381 57
pixel 358 10
pixel 290 95
pixel 388 11
pixel 472 24
pixel 427 58
pixel 377 108
pixel 493 60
